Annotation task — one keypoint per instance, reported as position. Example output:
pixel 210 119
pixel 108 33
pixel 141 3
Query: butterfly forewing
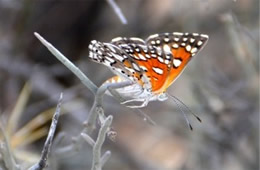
pixel 178 48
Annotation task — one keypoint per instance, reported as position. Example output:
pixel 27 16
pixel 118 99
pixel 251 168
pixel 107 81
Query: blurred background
pixel 221 84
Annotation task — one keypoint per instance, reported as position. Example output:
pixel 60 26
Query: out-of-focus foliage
pixel 221 84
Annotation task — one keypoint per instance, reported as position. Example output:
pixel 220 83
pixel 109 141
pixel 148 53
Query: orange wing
pixel 154 68
pixel 180 48
pixel 149 58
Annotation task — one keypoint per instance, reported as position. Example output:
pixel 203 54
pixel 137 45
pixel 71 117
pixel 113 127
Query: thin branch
pixel 96 163
pixel 90 123
pixel 105 157
pixel 97 106
pixel 84 79
pixel 96 109
pixel 99 92
pixel 48 143
pixel 118 11
pixel 88 139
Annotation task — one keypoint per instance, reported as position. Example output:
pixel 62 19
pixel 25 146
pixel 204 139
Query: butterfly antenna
pixel 186 107
pixel 181 109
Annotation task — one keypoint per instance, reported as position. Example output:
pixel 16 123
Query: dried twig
pixel 97 106
pixel 105 158
pixel 96 109
pixel 18 109
pixel 90 123
pixel 117 11
pixel 48 143
pixel 84 79
pixel 6 154
pixel 99 92
pixel 97 163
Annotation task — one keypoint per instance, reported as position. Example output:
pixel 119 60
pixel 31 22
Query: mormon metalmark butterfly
pixel 152 65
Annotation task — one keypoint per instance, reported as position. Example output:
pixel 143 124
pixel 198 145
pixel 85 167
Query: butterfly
pixel 152 64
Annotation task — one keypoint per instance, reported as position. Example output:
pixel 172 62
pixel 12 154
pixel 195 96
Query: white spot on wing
pixel 194 50
pixel 188 47
pixel 118 57
pixel 142 57
pixel 117 39
pixel 137 39
pixel 166 48
pixel 147 56
pixel 157 70
pixel 90 55
pixel 130 69
pixel 160 59
pixel 168 56
pixel 154 36
pixel 166 61
pixel 176 39
pixel 175 45
pixel 111 48
pixel 192 40
pixel 106 62
pixel 110 59
pixel 159 51
pixel 99 52
pixel 166 39
pixel 199 43
pixel 135 67
pixel 176 62
pixel 136 57
pixel 177 33
pixel 137 50
pixel 145 49
pixel 154 55
pixel 93 41
pixel 204 35
pixel 144 68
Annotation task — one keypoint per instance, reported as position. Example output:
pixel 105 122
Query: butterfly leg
pixel 132 100
pixel 145 103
